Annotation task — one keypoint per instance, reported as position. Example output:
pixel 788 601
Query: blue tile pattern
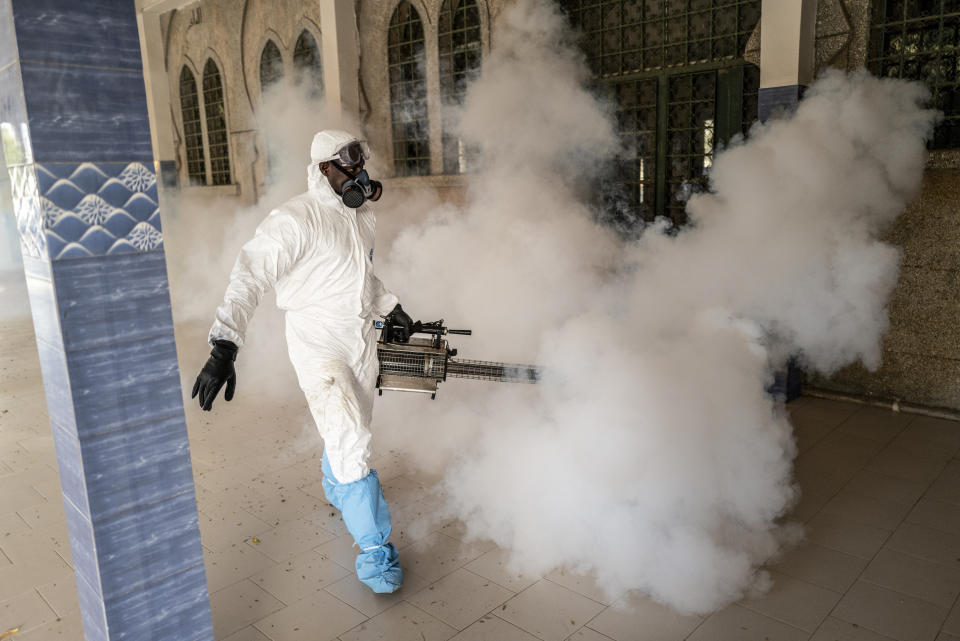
pixel 120 385
pixel 147 544
pixel 80 114
pixel 186 617
pixel 113 299
pixel 136 466
pixel 102 33
pixel 97 209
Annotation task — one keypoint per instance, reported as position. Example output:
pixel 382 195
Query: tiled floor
pixel 881 500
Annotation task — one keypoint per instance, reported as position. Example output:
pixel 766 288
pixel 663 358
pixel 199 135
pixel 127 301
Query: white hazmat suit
pixel 317 254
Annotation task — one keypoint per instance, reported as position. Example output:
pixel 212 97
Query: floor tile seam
pixel 941 630
pixel 787 623
pixel 513 593
pixel 829 616
pixel 530 632
pixel 605 636
pixel 861 495
pixel 605 605
pixel 914 596
pixel 858 578
pixel 867 627
pixel 917 556
pixel 929 527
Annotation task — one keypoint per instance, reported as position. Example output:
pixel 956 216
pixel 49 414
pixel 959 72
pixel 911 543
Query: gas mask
pixel 358 188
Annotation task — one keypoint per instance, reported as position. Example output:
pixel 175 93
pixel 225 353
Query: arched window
pixel 216 125
pixel 408 92
pixel 192 128
pixel 271 66
pixel 307 65
pixel 459 45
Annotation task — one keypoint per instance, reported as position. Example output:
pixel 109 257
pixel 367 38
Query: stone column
pixel 787 34
pixel 73 119
pixel 340 51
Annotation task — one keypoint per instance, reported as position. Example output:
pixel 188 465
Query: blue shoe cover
pixel 367 517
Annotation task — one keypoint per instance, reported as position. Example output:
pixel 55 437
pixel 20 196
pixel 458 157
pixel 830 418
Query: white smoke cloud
pixel 650 456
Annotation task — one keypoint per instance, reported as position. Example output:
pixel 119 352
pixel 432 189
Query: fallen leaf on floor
pixel 9 633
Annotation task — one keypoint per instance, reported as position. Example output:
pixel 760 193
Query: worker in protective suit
pixel 316 252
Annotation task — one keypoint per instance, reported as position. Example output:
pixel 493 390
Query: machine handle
pixel 464 332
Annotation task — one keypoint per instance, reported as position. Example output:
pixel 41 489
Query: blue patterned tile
pixel 93 611
pixel 82 547
pixel 120 385
pixel 80 114
pixel 137 465
pixel 70 465
pixel 113 299
pixel 100 209
pixel 146 544
pixel 175 608
pixel 92 32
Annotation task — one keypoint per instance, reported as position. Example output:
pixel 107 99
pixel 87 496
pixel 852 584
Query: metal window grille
pixel 271 66
pixel 691 128
pixel 460 56
pixel 627 36
pixel 408 92
pixel 192 128
pixel 216 125
pixel 676 72
pixel 636 102
pixel 920 40
pixel 307 64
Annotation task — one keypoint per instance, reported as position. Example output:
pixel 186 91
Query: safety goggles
pixel 353 154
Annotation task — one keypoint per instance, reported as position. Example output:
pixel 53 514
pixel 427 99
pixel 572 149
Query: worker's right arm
pixel 263 260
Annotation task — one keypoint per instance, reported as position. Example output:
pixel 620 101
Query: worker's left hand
pixel 400 323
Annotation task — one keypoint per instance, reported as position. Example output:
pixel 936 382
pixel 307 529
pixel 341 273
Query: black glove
pixel 217 371
pixel 400 325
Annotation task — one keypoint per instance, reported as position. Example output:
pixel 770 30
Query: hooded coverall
pixel 317 254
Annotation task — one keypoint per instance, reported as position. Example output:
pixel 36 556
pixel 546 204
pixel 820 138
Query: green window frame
pixel 920 40
pixel 192 128
pixel 216 119
pixel 406 66
pixel 675 72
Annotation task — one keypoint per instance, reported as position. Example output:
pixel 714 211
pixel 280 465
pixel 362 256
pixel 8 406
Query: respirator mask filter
pixel 358 188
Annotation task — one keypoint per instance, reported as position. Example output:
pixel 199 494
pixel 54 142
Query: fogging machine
pixel 421 364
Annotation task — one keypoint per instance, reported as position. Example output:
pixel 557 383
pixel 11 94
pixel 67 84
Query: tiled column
pixel 787 33
pixel 73 118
